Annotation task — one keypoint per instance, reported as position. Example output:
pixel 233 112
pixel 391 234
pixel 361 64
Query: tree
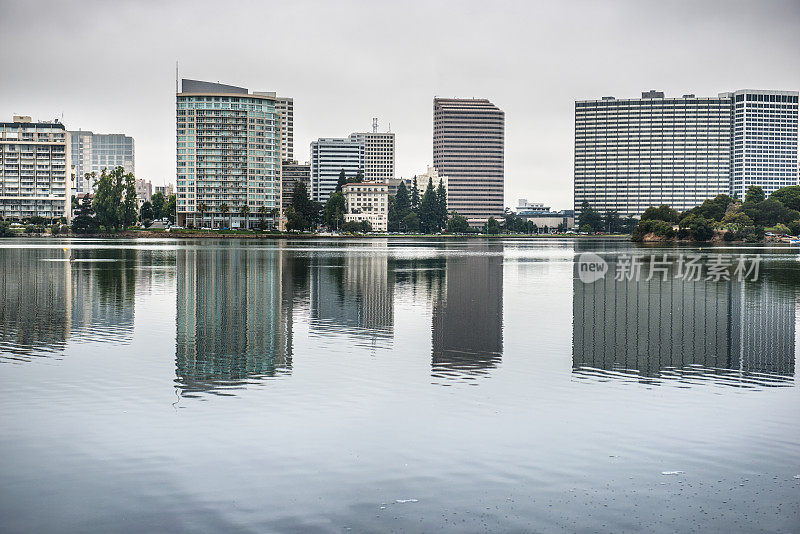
pixel 107 204
pixel 589 220
pixel 699 227
pixel 304 206
pixel 171 208
pixel 146 212
pixel 414 195
pixel 754 194
pixel 661 213
pixel 202 208
pixel 262 214
pixel 342 181
pixel 295 220
pixel 788 196
pixel 492 226
pixel 130 211
pixel 85 221
pixel 613 223
pixel 441 205
pixel 244 213
pixel 158 201
pixel 223 210
pixel 401 200
pixel 428 210
pixel 411 222
pixel 335 209
pixel 457 224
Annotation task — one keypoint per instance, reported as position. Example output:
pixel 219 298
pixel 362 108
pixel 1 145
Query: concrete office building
pixel 292 173
pixel 631 154
pixel 543 218
pixel 91 153
pixel 468 147
pixel 330 156
pixel 378 155
pixel 367 201
pixel 35 170
pixel 228 154
pixel 764 140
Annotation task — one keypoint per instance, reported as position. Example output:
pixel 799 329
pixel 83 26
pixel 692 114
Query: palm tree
pixel 244 212
pixel 275 213
pixel 223 209
pixel 262 212
pixel 202 208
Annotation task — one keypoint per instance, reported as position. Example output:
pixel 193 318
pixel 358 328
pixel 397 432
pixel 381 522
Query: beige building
pixel 378 155
pixel 35 169
pixel 367 201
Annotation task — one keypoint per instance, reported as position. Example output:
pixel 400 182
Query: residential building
pixel 35 170
pixel 144 191
pixel 285 107
pixel 764 140
pixel 542 217
pixel 165 190
pixel 329 157
pixel 468 147
pixel 367 201
pixel 292 173
pixel 228 154
pixel 631 154
pixel 91 153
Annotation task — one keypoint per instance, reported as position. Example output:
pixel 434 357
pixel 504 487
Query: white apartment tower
pixel 93 152
pixel 229 154
pixel 764 140
pixel 35 170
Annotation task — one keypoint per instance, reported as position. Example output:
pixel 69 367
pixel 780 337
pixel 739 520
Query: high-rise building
pixel 378 155
pixel 228 153
pixel 631 154
pixel 468 147
pixel 285 107
pixel 329 157
pixel 91 153
pixel 35 170
pixel 764 140
pixel 292 173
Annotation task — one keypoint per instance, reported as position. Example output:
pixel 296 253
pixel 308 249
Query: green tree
pixel 411 222
pixel 441 205
pixel 171 208
pixel 342 181
pixel 203 209
pixel 613 223
pixel 295 220
pixel 158 200
pixel 699 228
pixel 661 213
pixel 146 212
pixel 304 206
pixel 335 209
pixel 85 222
pixel 223 210
pixel 589 220
pixel 107 204
pixel 457 224
pixel 414 195
pixel 788 196
pixel 244 213
pixel 130 206
pixel 492 226
pixel 428 210
pixel 754 194
pixel 402 202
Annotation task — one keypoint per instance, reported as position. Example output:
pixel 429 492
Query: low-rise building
pixel 542 217
pixel 367 201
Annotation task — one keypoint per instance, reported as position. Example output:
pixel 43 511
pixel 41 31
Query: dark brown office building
pixel 468 148
pixel 291 173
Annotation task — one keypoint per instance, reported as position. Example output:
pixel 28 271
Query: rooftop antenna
pixel 374 124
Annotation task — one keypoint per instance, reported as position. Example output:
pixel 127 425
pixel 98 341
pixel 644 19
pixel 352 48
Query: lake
pixel 398 385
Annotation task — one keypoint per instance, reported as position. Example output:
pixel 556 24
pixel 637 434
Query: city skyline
pixel 572 59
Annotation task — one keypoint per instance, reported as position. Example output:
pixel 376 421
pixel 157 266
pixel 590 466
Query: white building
pixel 329 157
pixel 93 152
pixel 228 144
pixel 35 170
pixel 378 155
pixel 144 191
pixel 285 107
pixel 764 140
pixel 367 201
pixel 543 218
pixel 431 175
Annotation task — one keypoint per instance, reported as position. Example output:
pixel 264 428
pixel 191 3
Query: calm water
pixel 387 386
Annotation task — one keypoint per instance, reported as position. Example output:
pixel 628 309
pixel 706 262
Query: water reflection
pixel 47 300
pixel 234 316
pixel 732 332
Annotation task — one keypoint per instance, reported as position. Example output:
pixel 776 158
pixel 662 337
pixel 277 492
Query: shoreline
pixel 145 234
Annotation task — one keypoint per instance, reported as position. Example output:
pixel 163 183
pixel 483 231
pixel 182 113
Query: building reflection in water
pixel 467 325
pixel 47 300
pixel 740 333
pixel 234 316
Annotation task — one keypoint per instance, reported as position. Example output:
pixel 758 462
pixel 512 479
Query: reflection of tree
pixel 468 322
pixel 674 327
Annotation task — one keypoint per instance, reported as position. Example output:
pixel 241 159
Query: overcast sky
pixel 109 66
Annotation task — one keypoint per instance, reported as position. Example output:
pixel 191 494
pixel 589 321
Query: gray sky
pixel 109 66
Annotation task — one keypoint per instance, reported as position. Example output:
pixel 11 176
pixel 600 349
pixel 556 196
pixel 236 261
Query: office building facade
pixel 378 155
pixel 764 140
pixel 468 147
pixel 91 153
pixel 291 174
pixel 631 154
pixel 329 157
pixel 367 201
pixel 228 143
pixel 35 170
